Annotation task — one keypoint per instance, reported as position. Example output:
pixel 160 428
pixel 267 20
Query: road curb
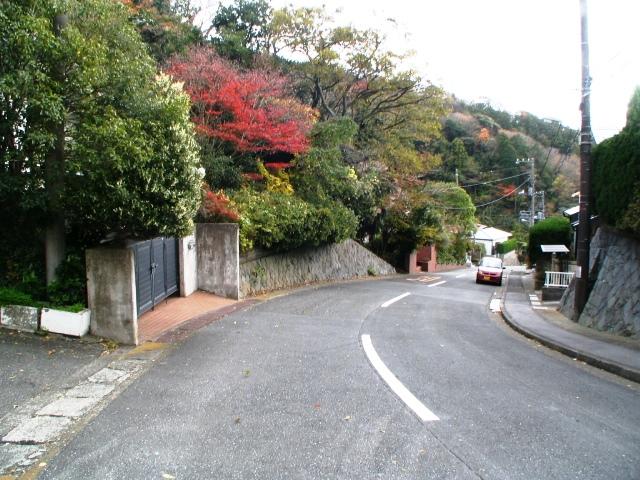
pixel 586 357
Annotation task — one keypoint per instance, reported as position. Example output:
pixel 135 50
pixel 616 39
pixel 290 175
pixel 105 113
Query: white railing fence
pixel 557 279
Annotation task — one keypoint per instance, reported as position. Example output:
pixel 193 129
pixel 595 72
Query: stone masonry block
pixel 21 318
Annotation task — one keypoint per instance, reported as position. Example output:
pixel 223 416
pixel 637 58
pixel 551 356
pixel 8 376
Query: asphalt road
pixel 31 365
pixel 285 390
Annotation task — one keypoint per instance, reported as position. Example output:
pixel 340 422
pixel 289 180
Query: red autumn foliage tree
pixel 505 188
pixel 216 207
pixel 251 111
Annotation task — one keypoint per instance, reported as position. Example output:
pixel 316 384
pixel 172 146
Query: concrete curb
pixel 583 356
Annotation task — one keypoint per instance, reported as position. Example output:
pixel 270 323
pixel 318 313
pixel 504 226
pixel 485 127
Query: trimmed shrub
pixel 508 246
pixel 279 222
pixel 616 174
pixel 552 230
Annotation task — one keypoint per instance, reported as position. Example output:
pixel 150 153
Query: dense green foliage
pixel 441 214
pixel 550 231
pixel 84 112
pixel 321 175
pixel 12 296
pixel 136 177
pixel 241 29
pixel 508 246
pixel 166 26
pixel 280 222
pixel 616 174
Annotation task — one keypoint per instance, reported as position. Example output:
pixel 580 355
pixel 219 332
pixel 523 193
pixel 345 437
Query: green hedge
pixel 552 230
pixel 280 222
pixel 616 175
pixel 508 246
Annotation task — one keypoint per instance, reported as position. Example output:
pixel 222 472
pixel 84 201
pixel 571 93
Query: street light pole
pixel 584 228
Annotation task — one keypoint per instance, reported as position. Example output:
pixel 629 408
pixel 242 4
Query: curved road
pixel 285 390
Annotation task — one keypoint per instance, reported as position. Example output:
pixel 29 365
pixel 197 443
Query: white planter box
pixel 67 323
pixel 20 318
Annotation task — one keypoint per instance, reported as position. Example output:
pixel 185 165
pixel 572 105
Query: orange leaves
pixel 483 135
pixel 505 188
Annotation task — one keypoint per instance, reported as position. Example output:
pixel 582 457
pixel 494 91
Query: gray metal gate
pixel 156 263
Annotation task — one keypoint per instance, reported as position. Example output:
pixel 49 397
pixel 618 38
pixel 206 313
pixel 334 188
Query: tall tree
pixel 95 81
pixel 243 111
pixel 166 26
pixel 346 72
pixel 241 30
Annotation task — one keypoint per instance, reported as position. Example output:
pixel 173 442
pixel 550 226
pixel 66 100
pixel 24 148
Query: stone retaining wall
pixel 614 301
pixel 262 272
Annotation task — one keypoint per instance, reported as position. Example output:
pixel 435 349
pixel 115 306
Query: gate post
pixel 218 254
pixel 188 272
pixel 111 292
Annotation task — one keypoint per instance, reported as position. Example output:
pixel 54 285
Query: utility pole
pixel 584 227
pixel 532 182
pixel 532 219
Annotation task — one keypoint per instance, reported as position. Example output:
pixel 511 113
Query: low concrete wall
pixel 188 265
pixel 218 253
pixel 262 272
pixel 446 267
pixel 18 317
pixel 614 301
pixel 551 294
pixel 111 292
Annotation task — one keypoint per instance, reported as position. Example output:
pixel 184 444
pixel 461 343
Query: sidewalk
pixel 523 311
pixel 50 383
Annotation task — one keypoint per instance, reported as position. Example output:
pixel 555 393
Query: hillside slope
pixel 484 145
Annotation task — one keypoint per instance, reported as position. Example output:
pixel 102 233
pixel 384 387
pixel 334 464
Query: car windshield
pixel 491 262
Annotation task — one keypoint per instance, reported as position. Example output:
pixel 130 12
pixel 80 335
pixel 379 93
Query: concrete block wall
pixel 111 293
pixel 218 258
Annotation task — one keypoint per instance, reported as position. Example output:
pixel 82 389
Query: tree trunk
pixel 55 235
pixel 55 244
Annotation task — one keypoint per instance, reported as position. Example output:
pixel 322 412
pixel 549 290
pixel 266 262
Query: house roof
pixel 554 249
pixel 490 233
pixel 571 211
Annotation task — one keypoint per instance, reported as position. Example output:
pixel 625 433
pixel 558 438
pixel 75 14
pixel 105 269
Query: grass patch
pixel 11 296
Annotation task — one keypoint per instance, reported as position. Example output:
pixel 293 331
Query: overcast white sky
pixel 516 54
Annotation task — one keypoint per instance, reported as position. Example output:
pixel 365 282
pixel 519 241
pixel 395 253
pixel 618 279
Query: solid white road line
pixel 394 300
pixel 437 283
pixel 398 388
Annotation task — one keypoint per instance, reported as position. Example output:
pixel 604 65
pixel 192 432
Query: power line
pixel 491 202
pixel 493 181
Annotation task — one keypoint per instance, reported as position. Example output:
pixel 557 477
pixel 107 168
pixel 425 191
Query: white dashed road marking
pixel 398 388
pixel 494 306
pixel 437 283
pixel 394 300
